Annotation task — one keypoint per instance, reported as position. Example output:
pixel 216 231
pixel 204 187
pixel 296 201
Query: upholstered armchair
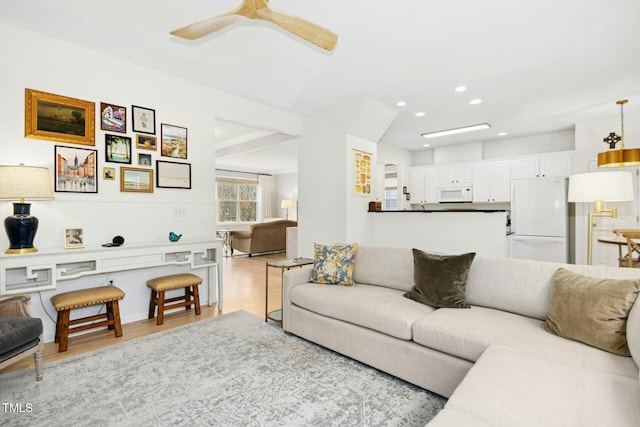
pixel 20 333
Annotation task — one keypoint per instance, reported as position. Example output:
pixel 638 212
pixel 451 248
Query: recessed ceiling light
pixel 475 101
pixel 456 130
pixel 401 103
pixel 420 114
pixel 502 133
pixel 460 89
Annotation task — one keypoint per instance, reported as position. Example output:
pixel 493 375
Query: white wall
pixel 329 211
pixel 33 61
pixel 286 188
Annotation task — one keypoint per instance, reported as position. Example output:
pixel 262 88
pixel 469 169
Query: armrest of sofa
pixel 291 279
pixel 241 233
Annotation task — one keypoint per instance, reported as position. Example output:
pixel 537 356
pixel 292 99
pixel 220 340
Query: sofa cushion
pixel 524 286
pixel 449 417
pixel 372 267
pixel 334 264
pixel 468 333
pixel 507 387
pixel 17 331
pixel 440 280
pixel 591 310
pixel 374 307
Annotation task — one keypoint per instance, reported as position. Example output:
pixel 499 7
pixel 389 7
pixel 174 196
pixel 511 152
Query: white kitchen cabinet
pixel 416 187
pixel 540 167
pixel 455 175
pixel 492 182
pixel 424 185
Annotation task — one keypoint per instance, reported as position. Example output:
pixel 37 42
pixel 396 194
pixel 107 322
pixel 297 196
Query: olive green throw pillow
pixel 440 280
pixel 591 310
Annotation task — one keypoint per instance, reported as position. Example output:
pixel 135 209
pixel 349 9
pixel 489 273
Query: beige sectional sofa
pixel 494 361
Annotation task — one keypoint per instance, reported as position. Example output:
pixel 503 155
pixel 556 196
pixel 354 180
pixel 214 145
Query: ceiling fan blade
pixel 304 29
pixel 203 28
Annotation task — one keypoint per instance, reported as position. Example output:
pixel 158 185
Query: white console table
pixel 41 271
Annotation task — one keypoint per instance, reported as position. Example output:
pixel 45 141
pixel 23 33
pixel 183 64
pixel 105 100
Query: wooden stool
pixel 158 287
pixel 67 301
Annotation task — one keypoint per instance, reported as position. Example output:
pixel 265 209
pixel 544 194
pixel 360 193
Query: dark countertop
pixel 444 210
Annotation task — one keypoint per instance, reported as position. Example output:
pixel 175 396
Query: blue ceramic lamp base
pixel 21 229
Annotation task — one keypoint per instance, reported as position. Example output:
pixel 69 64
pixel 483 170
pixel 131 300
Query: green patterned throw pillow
pixel 334 264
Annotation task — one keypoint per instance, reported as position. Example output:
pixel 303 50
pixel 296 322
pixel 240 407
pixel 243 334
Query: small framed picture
pixel 173 174
pixel 146 142
pixel 173 141
pixel 109 174
pixel 113 118
pixel 73 238
pixel 144 159
pixel 75 170
pixel 136 180
pixel 117 148
pixel 144 119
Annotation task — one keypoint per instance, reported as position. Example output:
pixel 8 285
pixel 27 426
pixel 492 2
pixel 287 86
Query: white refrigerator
pixel 539 219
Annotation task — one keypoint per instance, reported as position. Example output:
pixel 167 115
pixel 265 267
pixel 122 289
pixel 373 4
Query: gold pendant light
pixel 616 158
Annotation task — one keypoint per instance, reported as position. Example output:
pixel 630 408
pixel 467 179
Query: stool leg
pixel 187 297
pixel 196 299
pixel 63 339
pixel 115 311
pixel 152 304
pixel 109 314
pixel 58 327
pixel 160 319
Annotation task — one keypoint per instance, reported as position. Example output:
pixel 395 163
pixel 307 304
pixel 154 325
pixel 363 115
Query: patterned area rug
pixel 233 370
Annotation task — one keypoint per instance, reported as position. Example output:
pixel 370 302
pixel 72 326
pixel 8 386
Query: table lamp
pixel 20 183
pixel 287 204
pixel 597 188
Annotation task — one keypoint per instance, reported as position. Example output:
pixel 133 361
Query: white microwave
pixel 462 194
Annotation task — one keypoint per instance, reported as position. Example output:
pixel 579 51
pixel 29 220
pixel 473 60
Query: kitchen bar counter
pixel 443 210
pixel 445 231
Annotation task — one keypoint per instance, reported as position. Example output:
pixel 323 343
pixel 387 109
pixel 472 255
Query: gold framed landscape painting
pixel 59 118
pixel 136 180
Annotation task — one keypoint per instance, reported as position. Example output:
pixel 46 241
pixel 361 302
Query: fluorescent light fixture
pixel 475 101
pixel 420 114
pixel 460 89
pixel 456 130
pixel 401 103
pixel 427 145
pixel 502 133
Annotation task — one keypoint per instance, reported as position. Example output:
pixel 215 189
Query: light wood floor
pixel 244 289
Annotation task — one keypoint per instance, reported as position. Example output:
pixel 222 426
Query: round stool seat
pixel 174 281
pixel 83 297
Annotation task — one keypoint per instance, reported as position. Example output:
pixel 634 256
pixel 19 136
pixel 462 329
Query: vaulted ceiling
pixel 538 66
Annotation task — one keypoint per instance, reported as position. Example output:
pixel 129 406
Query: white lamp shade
pixel 605 186
pixel 28 182
pixel 287 204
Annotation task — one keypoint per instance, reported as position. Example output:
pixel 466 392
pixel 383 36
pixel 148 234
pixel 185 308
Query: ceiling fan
pixel 259 9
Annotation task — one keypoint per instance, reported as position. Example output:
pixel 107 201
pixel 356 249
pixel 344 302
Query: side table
pixel 283 265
